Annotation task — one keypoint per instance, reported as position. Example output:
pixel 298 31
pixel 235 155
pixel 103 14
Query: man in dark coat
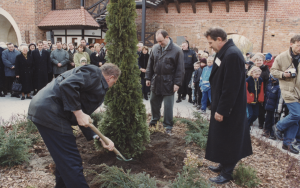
pixel 42 66
pixel 71 52
pixel 2 74
pixel 229 136
pixel 69 100
pixel 98 57
pixel 165 72
pixel 189 59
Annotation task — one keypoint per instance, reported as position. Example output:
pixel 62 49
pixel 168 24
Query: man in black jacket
pixel 228 137
pixel 2 74
pixel 71 52
pixel 42 67
pixel 189 59
pixel 98 57
pixel 165 72
pixel 69 100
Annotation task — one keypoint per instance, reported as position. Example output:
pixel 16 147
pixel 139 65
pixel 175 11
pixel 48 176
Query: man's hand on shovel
pixel 110 146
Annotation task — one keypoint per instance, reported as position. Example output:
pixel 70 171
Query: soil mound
pixel 163 157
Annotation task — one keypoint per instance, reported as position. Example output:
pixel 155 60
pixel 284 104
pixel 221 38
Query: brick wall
pixel 283 21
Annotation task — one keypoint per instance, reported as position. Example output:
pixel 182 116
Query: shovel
pixel 119 155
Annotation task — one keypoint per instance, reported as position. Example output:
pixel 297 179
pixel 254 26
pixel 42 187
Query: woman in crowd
pixel 143 62
pixel 79 55
pixel 24 71
pixel 258 60
pixel 65 47
pixel 98 57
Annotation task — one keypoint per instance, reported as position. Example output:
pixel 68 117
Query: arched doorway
pixel 9 30
pixel 243 43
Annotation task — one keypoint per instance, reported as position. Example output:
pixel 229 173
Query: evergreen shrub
pixel 245 176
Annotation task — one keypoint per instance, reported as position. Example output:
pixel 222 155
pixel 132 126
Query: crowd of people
pixel 35 65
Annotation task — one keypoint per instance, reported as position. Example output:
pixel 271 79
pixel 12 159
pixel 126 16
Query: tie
pixel 41 53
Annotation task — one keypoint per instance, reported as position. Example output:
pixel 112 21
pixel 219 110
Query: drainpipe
pixel 53 5
pixel 265 17
pixel 143 21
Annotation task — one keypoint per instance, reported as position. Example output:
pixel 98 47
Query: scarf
pixel 296 60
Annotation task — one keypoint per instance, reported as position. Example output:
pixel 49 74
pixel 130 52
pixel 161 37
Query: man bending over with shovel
pixel 69 100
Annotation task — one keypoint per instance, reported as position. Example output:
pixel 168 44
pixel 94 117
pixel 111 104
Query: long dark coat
pixel 229 140
pixel 42 66
pixel 143 62
pixel 25 69
pixel 2 73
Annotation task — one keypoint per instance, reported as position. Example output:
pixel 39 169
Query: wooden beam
pixel 210 5
pixel 227 5
pixel 166 5
pixel 246 5
pixel 193 3
pixel 177 4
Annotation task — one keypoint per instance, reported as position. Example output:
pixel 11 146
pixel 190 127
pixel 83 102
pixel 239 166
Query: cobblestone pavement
pixel 11 105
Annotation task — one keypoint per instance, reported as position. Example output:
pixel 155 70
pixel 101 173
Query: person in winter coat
pixel 165 72
pixel 69 100
pixel 2 73
pixel 143 62
pixel 272 97
pixel 248 66
pixel 228 136
pixel 42 66
pixel 196 80
pixel 205 85
pixel 9 58
pixel 98 57
pixel 190 58
pixel 59 59
pixel 255 93
pixel 79 55
pixel 71 53
pixel 258 60
pixel 269 60
pixel 24 71
pixel 288 128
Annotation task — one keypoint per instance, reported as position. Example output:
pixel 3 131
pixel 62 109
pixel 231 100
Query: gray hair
pixel 110 69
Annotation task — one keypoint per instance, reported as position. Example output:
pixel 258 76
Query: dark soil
pixel 163 157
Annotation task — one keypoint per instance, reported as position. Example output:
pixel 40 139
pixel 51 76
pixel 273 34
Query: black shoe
pixel 28 97
pixel 290 149
pixel 152 124
pixel 23 98
pixel 220 179
pixel 260 126
pixel 179 100
pixel 277 133
pixel 183 98
pixel 272 137
pixel 215 169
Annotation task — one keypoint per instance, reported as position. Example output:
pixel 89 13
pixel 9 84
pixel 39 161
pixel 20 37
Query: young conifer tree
pixel 124 121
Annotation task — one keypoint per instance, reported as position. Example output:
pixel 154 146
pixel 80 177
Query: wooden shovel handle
pixel 104 138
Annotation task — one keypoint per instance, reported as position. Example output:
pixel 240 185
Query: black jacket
pixel 82 88
pixel 189 59
pixel 24 69
pixel 229 140
pixel 42 66
pixel 143 62
pixel 197 75
pixel 96 59
pixel 2 73
pixel 165 69
pixel 71 59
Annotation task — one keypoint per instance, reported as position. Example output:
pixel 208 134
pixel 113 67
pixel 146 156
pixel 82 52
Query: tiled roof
pixel 71 17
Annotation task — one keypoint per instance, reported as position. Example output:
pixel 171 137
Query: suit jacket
pixel 42 66
pixel 71 59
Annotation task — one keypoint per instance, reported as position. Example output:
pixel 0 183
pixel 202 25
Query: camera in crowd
pixel 292 71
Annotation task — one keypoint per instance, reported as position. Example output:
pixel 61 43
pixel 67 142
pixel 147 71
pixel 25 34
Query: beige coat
pixel 290 87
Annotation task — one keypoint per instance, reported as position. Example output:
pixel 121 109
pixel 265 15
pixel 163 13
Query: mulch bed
pixel 163 159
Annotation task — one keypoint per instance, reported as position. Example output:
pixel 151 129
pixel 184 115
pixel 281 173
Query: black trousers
pixel 261 115
pixel 197 93
pixel 64 151
pixel 50 77
pixel 227 170
pixel 145 89
pixel 8 83
pixel 184 89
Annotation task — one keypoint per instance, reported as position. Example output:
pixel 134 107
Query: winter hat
pixel 268 56
pixel 83 59
pixel 87 44
pixel 30 45
pixel 203 60
pixel 272 78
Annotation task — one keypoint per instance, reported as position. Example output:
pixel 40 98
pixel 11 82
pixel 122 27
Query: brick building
pixel 20 20
pixel 282 21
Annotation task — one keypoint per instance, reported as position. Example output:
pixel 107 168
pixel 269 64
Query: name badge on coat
pixel 218 61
